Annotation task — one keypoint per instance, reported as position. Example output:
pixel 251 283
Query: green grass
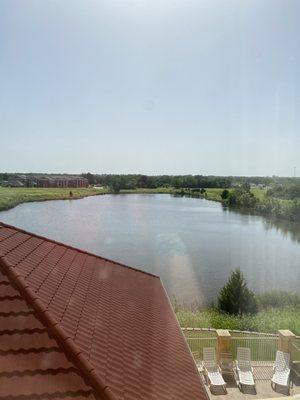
pixel 269 320
pixel 11 197
pixel 259 193
pixel 214 194
pixel 148 190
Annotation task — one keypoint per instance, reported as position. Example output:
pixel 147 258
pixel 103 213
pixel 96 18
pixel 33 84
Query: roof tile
pixel 31 362
pixel 113 326
pixel 23 341
pixel 39 384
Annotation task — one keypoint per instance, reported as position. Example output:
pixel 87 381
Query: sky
pixel 150 86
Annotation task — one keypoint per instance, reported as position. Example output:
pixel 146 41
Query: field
pixel 11 197
pixel 215 193
pixel 269 320
pixel 259 193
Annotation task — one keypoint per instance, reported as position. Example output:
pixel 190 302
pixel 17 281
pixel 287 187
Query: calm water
pixel 192 244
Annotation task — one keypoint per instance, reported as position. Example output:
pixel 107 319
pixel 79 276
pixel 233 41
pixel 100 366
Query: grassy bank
pixel 159 190
pixel 277 309
pixel 11 197
pixel 214 194
pixel 269 320
pixel 253 201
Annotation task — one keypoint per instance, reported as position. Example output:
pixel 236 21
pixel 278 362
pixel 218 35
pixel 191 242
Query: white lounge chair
pixel 212 370
pixel 244 369
pixel 281 375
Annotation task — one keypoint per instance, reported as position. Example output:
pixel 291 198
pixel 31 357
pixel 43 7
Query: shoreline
pixel 211 196
pixel 12 197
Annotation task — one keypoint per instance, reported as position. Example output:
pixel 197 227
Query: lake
pixel 192 244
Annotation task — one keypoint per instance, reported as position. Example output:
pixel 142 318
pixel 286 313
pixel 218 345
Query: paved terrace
pixel 262 375
pixel 263 349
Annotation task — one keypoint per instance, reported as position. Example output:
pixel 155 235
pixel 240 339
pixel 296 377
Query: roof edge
pixel 70 348
pixel 77 249
pixel 184 339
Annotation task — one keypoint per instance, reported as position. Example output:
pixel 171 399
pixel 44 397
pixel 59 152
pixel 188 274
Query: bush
pixel 235 297
pixel 225 194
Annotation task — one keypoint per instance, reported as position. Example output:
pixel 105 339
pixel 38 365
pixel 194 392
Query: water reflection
pixel 192 244
pixel 288 229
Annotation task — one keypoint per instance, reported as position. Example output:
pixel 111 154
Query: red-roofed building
pixel 77 326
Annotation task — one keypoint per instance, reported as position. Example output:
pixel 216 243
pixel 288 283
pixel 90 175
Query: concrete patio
pixel 263 347
pixel 262 375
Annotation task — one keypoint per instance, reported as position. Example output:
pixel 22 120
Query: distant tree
pixel 90 177
pixel 246 186
pixel 142 181
pixel 4 176
pixel 225 194
pixel 235 297
pixel 116 186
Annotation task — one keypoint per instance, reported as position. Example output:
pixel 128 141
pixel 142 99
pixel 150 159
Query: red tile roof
pixel 74 325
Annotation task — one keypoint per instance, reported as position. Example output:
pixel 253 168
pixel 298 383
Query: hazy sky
pixel 150 86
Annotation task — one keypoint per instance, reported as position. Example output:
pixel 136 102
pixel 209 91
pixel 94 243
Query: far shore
pixel 12 197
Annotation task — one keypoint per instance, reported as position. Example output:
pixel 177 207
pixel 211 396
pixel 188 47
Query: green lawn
pixel 11 197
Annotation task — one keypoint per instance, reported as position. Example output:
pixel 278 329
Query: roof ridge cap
pixel 77 249
pixel 64 341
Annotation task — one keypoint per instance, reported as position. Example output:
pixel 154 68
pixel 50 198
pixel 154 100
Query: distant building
pixel 46 181
pixel 13 182
pixel 61 182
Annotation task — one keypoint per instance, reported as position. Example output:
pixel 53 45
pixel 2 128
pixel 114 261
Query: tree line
pixel 280 201
pixel 136 181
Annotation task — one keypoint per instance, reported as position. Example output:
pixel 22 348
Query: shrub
pixel 225 194
pixel 235 297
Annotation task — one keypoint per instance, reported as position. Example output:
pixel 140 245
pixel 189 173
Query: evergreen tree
pixel 235 297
